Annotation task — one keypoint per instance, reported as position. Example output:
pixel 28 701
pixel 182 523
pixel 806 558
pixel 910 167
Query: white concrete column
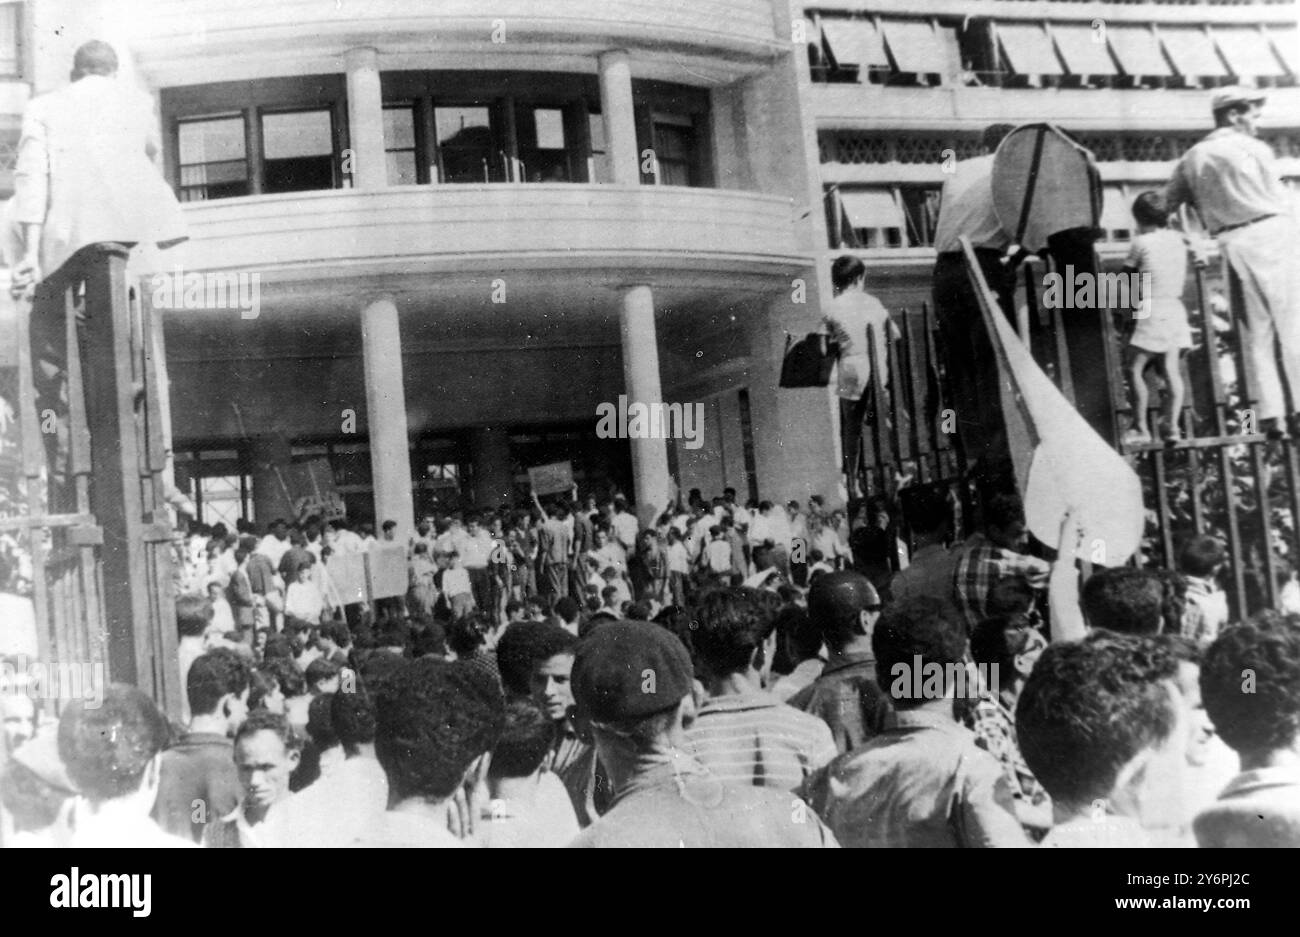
pixel 641 376
pixel 618 116
pixel 366 120
pixel 390 451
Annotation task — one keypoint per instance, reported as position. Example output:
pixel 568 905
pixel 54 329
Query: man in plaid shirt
pixel 993 556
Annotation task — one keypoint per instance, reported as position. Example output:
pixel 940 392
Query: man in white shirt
pixel 966 209
pixel 529 807
pixel 760 527
pixel 345 539
pixel 113 753
pixel 1232 180
pixel 348 801
pixel 276 542
pixel 475 554
pixel 624 524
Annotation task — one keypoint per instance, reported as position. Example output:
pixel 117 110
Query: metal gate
pixel 93 460
pixel 1223 477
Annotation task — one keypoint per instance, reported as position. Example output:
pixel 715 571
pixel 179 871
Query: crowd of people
pixel 790 696
pixel 718 673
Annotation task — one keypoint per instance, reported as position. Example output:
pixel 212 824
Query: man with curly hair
pixel 1250 680
pixel 1103 727
pixel 434 724
pixel 113 756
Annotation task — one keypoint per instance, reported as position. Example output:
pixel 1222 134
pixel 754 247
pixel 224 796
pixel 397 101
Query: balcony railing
pixel 454 228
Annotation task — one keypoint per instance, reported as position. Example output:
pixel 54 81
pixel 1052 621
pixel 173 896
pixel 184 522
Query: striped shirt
pixel 755 739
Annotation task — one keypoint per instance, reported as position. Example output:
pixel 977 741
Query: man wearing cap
pixel 1232 181
pixel 634 681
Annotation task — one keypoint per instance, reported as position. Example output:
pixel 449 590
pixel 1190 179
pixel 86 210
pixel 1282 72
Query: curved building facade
pixel 467 226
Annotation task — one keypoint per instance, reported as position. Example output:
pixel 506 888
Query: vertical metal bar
pixel 898 397
pixel 1162 506
pixel 917 374
pixel 1262 473
pixel 885 457
pixel 1194 477
pixel 33 462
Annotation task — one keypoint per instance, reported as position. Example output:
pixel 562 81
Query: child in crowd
pixel 1162 332
pixel 456 588
pixel 1206 611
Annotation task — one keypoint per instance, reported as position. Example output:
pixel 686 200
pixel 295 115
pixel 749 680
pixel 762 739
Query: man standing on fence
pixel 1232 181
pixel 966 209
pixel 84 175
pixel 849 316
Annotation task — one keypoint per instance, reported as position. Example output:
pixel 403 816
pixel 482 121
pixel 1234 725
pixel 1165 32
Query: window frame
pixel 180 186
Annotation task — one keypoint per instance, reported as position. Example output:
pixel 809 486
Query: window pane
pixel 597 124
pixel 299 149
pixel 214 173
pixel 401 167
pixel 466 145
pixel 301 133
pixel 672 143
pixel 221 500
pixel 212 140
pixel 399 128
pixel 462 126
pixel 212 158
pixel 550 128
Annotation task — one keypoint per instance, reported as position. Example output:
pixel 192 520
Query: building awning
pixel 854 42
pixel 871 208
pixel 1083 53
pixel 1115 214
pixel 915 47
pixel 1286 42
pixel 1247 52
pixel 1028 49
pixel 1192 52
pixel 1138 50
